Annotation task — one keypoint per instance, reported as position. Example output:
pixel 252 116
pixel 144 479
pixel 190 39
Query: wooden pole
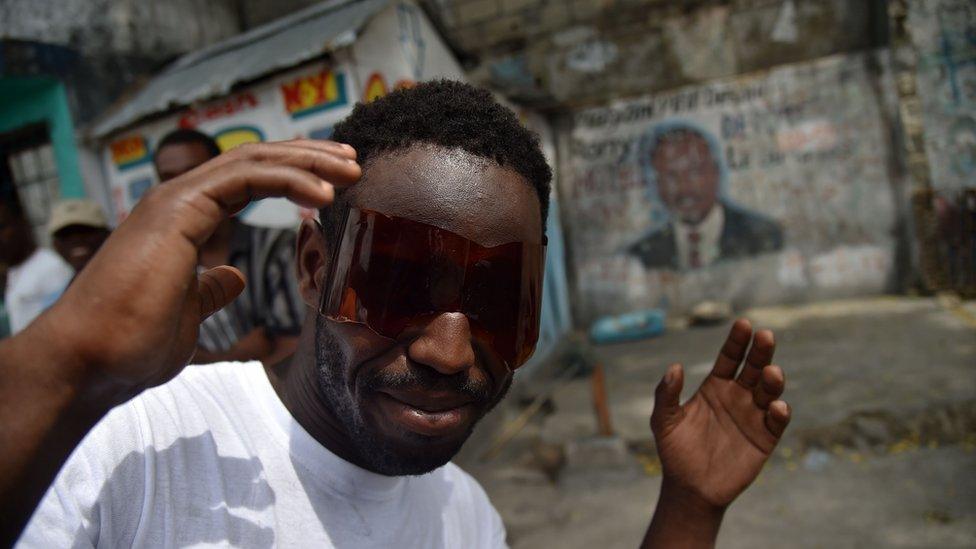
pixel 600 406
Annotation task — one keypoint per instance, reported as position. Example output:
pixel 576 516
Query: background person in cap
pixel 263 323
pixel 78 228
pixel 36 276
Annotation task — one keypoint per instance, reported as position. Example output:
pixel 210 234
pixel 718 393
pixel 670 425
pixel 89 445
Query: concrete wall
pixel 119 42
pixel 553 53
pixel 913 124
pixel 939 109
pixel 802 163
pixel 138 27
pixel 944 34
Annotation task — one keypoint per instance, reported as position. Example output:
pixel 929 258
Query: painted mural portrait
pixel 683 167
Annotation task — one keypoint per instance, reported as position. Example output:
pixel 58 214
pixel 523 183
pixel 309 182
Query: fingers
pixel 778 417
pixel 667 400
pixel 334 147
pixel 217 287
pixel 303 171
pixel 247 181
pixel 330 161
pixel 770 386
pixel 200 210
pixel 733 350
pixel 760 355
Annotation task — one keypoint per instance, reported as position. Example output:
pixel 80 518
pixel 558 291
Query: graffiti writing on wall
pixel 375 88
pixel 314 93
pixel 193 117
pixel 129 152
pixel 944 33
pixel 741 189
pixel 235 136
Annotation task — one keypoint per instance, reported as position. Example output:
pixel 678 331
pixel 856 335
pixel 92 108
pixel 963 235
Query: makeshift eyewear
pixel 390 273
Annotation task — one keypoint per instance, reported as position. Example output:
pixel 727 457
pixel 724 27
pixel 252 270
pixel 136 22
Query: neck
pixel 295 382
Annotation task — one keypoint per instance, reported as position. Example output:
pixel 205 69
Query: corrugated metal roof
pixel 212 71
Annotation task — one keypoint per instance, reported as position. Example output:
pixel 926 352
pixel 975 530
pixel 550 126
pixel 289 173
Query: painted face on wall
pixel 687 176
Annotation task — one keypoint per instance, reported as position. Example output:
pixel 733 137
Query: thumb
pixel 217 288
pixel 667 400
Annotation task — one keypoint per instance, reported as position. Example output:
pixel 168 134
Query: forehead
pixel 686 147
pixel 454 190
pixel 182 153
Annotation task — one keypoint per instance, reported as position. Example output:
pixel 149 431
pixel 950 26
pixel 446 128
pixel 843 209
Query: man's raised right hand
pixel 131 318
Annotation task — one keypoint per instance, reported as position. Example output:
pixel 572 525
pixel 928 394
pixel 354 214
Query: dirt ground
pixel 881 451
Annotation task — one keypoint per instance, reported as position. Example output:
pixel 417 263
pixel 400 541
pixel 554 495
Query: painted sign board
pixel 396 49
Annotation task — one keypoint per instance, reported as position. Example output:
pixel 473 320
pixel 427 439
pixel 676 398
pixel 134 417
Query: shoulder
pixel 656 248
pixel 192 404
pixel 737 215
pixel 468 502
pixel 747 232
pixel 160 440
pixel 464 493
pixel 187 405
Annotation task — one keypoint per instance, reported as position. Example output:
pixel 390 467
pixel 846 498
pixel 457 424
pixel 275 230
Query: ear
pixel 312 258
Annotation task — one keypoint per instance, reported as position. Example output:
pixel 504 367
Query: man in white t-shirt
pixel 422 288
pixel 35 276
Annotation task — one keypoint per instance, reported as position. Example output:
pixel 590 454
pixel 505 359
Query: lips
pixel 432 414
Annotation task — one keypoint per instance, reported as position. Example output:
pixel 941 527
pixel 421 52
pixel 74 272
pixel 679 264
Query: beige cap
pixel 76 212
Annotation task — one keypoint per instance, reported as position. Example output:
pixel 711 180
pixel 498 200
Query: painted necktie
pixel 694 255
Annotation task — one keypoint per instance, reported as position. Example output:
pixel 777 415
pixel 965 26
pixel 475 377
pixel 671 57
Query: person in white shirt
pixel 348 443
pixel 35 276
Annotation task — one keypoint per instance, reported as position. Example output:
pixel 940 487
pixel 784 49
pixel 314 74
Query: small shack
pixel 294 77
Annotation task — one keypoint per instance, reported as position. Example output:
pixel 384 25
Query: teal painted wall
pixel 28 100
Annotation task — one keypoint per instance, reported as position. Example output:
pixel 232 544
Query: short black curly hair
pixel 186 136
pixel 449 114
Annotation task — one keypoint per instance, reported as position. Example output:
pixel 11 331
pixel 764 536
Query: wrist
pixel 59 370
pixel 689 503
pixel 683 519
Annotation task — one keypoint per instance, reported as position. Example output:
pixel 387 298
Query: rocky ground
pixel 881 451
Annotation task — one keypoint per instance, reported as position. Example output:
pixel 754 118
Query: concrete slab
pixel 880 452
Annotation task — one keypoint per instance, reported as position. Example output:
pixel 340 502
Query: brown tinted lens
pixel 389 272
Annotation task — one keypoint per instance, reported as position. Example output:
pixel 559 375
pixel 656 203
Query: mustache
pixel 424 379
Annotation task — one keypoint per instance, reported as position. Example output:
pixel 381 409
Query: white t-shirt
pixel 33 286
pixel 213 458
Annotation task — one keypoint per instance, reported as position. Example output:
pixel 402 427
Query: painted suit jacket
pixel 744 234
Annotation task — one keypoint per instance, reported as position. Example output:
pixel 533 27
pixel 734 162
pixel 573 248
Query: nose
pixel 444 344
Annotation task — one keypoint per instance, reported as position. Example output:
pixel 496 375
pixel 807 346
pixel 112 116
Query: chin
pixel 407 453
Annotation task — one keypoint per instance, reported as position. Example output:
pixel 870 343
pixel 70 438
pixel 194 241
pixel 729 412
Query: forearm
pixel 682 521
pixel 43 416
